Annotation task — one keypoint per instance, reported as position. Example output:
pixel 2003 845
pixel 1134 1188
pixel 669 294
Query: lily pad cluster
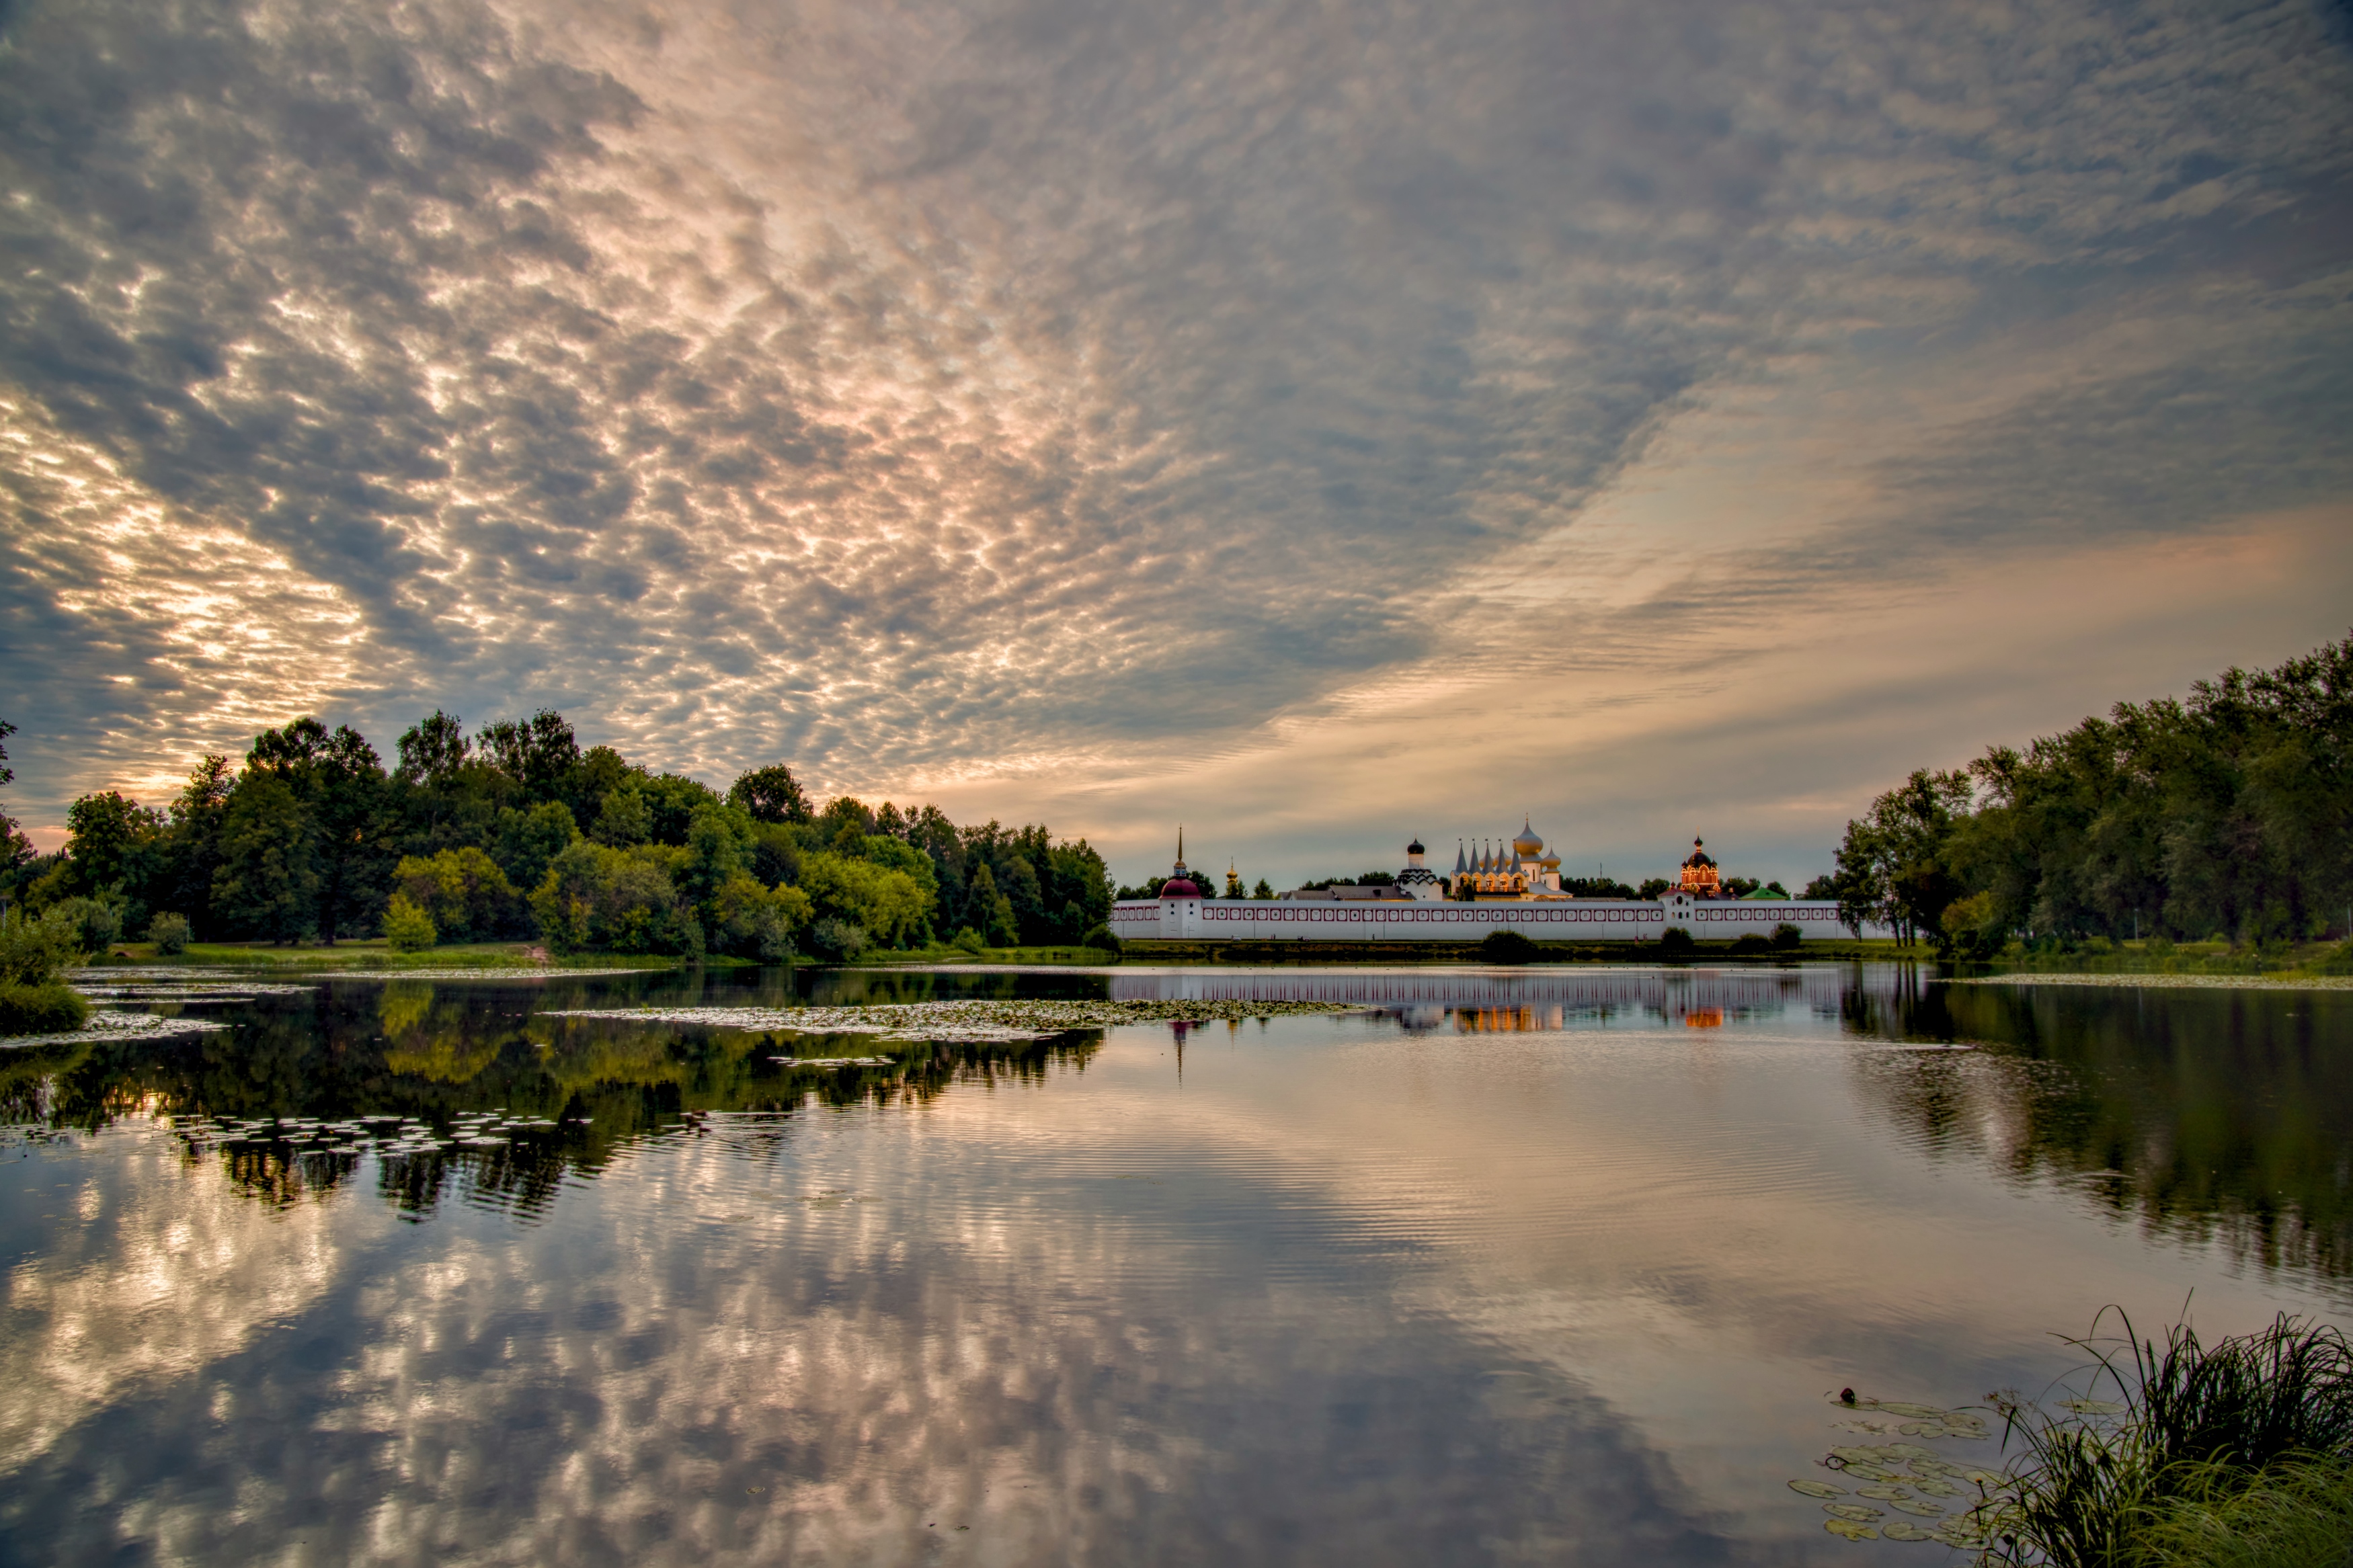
pixel 108 1025
pixel 1936 1499
pixel 973 1020
pixel 388 1136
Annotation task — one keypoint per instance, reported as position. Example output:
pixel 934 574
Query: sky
pixel 1312 422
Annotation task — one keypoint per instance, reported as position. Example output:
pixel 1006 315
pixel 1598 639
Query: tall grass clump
pixel 33 1000
pixel 2207 1448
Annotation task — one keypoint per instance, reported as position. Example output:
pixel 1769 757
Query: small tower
pixel 1700 878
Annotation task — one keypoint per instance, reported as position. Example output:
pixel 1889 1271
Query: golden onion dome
pixel 1529 842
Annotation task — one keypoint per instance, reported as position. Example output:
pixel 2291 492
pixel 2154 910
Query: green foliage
pixel 462 893
pixel 338 791
pixel 406 927
pixel 268 881
pixel 1787 938
pixel 1653 886
pixel 968 940
pixel 992 909
pixel 2291 1514
pixel 672 801
pixel 33 950
pixel 837 940
pixel 2194 1427
pixel 887 905
pixel 1676 942
pixel 44 1009
pixel 169 932
pixel 538 754
pixel 97 923
pixel 770 795
pixel 1895 867
pixel 1265 889
pixel 1822 887
pixel 1506 947
pixel 623 819
pixel 530 840
pixel 2225 812
pixel 110 839
pixel 598 897
pixel 2338 960
pixel 1103 939
pixel 745 920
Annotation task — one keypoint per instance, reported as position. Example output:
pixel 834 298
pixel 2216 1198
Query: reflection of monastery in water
pixel 1510 886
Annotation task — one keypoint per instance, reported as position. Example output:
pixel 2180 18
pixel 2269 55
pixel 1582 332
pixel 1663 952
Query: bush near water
pixel 33 950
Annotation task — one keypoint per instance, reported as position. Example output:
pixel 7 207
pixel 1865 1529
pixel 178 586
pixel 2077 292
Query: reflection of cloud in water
pixel 168 1273
pixel 697 1364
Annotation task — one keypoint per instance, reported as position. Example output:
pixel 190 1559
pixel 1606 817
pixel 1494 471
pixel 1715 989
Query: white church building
pixel 1511 885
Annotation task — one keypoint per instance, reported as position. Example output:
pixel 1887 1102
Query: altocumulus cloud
pixel 925 391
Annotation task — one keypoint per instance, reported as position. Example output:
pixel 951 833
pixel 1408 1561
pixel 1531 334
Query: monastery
pixel 1508 885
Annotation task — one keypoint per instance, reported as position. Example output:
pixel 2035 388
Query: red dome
pixel 1179 888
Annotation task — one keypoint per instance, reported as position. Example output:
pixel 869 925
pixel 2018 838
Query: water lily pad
pixel 1883 1492
pixel 1859 1426
pixel 1850 1528
pixel 1933 1467
pixel 1899 1530
pixel 1979 1475
pixel 1817 1488
pixel 1855 1454
pixel 1872 1473
pixel 1936 1488
pixel 1956 1534
pixel 1853 1511
pixel 1925 1429
pixel 2092 1406
pixel 1922 1508
pixel 1924 1412
pixel 1911 1451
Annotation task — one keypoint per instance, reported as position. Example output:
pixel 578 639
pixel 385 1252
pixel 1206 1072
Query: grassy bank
pixel 375 954
pixel 1013 955
pixel 2182 1454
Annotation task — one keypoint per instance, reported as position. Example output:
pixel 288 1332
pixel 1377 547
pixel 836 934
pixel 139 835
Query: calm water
pixel 1537 1267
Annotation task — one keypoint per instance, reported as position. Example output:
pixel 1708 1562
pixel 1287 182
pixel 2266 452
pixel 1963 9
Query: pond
pixel 1498 1266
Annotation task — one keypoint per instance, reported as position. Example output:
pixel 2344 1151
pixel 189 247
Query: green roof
pixel 1764 893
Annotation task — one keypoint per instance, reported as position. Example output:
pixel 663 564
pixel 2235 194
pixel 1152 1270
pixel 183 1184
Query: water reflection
pixel 2202 1115
pixel 1530 1265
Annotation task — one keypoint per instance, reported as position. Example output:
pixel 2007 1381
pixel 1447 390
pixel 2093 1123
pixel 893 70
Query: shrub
pixel 1787 938
pixel 885 904
pixel 97 922
pixel 968 940
pixel 169 932
pixel 836 941
pixel 407 928
pixel 1750 945
pixel 1676 942
pixel 749 921
pixel 1103 939
pixel 2338 960
pixel 44 1009
pixel 463 893
pixel 621 901
pixel 1506 947
pixel 33 950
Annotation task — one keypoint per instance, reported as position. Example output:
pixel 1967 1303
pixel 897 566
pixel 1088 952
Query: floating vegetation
pixel 1850 1529
pixel 1857 1512
pixel 1817 1488
pixel 112 1025
pixel 486 972
pixel 835 1061
pixel 1905 1477
pixel 966 1021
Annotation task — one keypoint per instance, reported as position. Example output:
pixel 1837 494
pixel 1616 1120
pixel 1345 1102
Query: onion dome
pixel 1550 859
pixel 1528 843
pixel 1414 848
pixel 1699 855
pixel 1179 888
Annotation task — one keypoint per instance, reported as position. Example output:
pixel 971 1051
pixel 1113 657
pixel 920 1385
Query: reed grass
pixel 2218 1448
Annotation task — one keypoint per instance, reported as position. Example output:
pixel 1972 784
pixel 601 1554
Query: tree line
pixel 515 832
pixel 2227 815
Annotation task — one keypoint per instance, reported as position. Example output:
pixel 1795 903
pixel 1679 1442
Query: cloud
pixel 936 394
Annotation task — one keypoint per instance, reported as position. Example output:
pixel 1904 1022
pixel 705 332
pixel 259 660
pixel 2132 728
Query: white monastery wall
pixel 1572 919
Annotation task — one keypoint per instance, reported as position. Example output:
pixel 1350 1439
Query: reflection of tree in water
pixel 2206 1114
pixel 430 1053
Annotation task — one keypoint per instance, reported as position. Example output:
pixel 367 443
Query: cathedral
pixel 1523 870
